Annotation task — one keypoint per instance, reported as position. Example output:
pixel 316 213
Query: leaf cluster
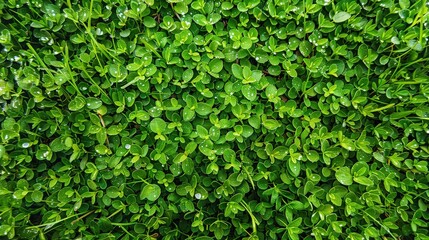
pixel 202 119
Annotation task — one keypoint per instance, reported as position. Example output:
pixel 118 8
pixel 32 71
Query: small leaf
pixel 271 124
pixel 37 196
pixel 294 167
pixel 150 192
pixel 341 17
pixel 237 71
pixel 363 180
pixel 158 125
pixel 203 109
pixel 216 65
pixel 249 92
pixel 305 47
pixel 93 103
pixel 112 192
pixel 77 103
pixel 20 194
pixel 280 152
pixel 200 19
pixel 344 176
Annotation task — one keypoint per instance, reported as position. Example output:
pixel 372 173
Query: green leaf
pixel 37 196
pixel 237 71
pixel 280 152
pixel 216 65
pixel 246 43
pixel 305 47
pixel 113 192
pixel 5 229
pixel 118 71
pixel 294 167
pixel 157 125
pixel 404 4
pixel 93 103
pixel 200 19
pixel 341 17
pixel 150 192
pixel 180 158
pixel 344 176
pixel 20 194
pixel 363 180
pixel 271 124
pixel 76 103
pixel 203 109
pixel 188 114
pixel 249 92
pixel 149 22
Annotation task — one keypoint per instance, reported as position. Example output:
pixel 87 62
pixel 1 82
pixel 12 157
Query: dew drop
pixel 127 146
pixel 26 145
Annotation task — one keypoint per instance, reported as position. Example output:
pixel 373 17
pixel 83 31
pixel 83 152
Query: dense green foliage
pixel 201 119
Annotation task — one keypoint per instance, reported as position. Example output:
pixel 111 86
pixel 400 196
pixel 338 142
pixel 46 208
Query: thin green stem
pixel 379 223
pixel 82 217
pixel 250 178
pixel 123 224
pixel 53 223
pixel 150 47
pixel 126 231
pixel 136 79
pixel 116 212
pixel 40 60
pixel 66 63
pixel 383 108
pixel 249 211
pixel 90 15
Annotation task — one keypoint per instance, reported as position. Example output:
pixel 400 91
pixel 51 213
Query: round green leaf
pixel 341 17
pixel 77 103
pixel 203 109
pixel 112 192
pixel 158 125
pixel 93 103
pixel 249 92
pixel 37 196
pixel 150 192
pixel 216 65
pixel 344 176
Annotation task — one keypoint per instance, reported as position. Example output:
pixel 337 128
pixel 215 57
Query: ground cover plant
pixel 200 119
